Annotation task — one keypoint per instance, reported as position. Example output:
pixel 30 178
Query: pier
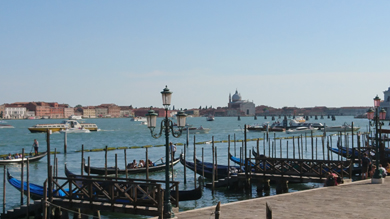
pixel 359 199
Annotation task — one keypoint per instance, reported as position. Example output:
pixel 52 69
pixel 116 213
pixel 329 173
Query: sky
pixel 275 53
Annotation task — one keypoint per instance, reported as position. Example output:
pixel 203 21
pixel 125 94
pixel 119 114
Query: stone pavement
pixel 359 199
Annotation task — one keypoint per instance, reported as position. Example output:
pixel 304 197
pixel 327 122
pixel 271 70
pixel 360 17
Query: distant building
pixel 14 112
pixel 89 112
pixel 386 102
pixel 237 106
pixel 192 112
pixel 101 112
pixel 143 111
pixel 126 111
pixel 1 111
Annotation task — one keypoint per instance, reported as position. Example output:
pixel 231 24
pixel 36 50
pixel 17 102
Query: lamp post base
pixel 377 180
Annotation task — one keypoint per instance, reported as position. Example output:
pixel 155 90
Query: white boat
pixel 298 121
pixel 75 130
pixel 75 117
pixel 4 125
pixel 302 129
pixel 193 130
pixel 210 118
pixel 340 128
pixel 138 119
pixel 67 124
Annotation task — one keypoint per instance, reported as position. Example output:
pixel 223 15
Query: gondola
pixel 343 152
pixel 238 160
pixel 112 170
pixel 255 154
pixel 20 160
pixel 188 195
pixel 184 195
pixel 36 191
pixel 222 170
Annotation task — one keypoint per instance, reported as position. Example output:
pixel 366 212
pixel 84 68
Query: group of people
pixel 333 179
pixel 17 155
pixel 141 164
pixel 368 169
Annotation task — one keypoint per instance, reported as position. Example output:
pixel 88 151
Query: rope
pixel 68 210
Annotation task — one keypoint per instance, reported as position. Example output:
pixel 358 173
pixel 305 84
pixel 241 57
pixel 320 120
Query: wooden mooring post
pixel 82 159
pixel 28 186
pixel 65 142
pixel 195 162
pixel 4 190
pixel 21 180
pixel 125 155
pixel 268 211
pixel 217 212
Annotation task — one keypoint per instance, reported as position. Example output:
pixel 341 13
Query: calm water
pixel 122 132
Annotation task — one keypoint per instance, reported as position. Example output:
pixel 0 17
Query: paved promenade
pixel 359 199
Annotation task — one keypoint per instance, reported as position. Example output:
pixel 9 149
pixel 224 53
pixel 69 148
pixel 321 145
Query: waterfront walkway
pixel 359 199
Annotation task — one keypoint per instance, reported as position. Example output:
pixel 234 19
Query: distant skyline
pixel 275 53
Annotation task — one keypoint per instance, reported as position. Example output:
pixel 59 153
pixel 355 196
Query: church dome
pixel 236 97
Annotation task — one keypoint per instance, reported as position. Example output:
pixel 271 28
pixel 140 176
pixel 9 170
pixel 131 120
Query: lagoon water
pixel 124 133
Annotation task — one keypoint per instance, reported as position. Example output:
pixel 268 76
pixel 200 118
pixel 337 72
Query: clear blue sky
pixel 276 53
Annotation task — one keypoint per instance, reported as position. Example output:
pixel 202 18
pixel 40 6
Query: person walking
pixel 36 146
pixel 366 162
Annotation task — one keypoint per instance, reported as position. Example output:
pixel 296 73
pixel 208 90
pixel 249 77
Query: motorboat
pixel 74 117
pixel 301 129
pixel 193 130
pixel 66 124
pixel 210 118
pixel 257 128
pixel 75 130
pixel 138 119
pixel 298 121
pixel 341 128
pixel 276 127
pixel 4 125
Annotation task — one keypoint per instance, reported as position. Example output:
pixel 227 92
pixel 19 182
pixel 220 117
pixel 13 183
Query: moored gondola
pixel 112 170
pixel 20 160
pixel 36 191
pixel 222 170
pixel 184 195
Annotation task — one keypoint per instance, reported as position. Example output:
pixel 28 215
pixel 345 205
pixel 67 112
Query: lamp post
pixel 377 178
pixel 166 126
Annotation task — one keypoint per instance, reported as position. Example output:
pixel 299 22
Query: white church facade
pixel 239 107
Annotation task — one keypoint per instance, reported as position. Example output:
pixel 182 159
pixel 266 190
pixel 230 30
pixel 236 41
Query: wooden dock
pixel 34 209
pixel 359 200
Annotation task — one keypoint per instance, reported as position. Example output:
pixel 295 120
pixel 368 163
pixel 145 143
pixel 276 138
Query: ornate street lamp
pixel 166 126
pixel 377 178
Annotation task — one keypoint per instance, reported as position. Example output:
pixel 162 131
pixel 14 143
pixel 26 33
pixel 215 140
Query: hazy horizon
pixel 275 53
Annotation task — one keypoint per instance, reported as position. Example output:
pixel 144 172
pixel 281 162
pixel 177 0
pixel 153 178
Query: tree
pixel 78 106
pixel 200 107
pixel 1 114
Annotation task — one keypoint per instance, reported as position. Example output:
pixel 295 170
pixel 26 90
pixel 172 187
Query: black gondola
pixel 20 160
pixel 112 170
pixel 184 195
pixel 223 170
